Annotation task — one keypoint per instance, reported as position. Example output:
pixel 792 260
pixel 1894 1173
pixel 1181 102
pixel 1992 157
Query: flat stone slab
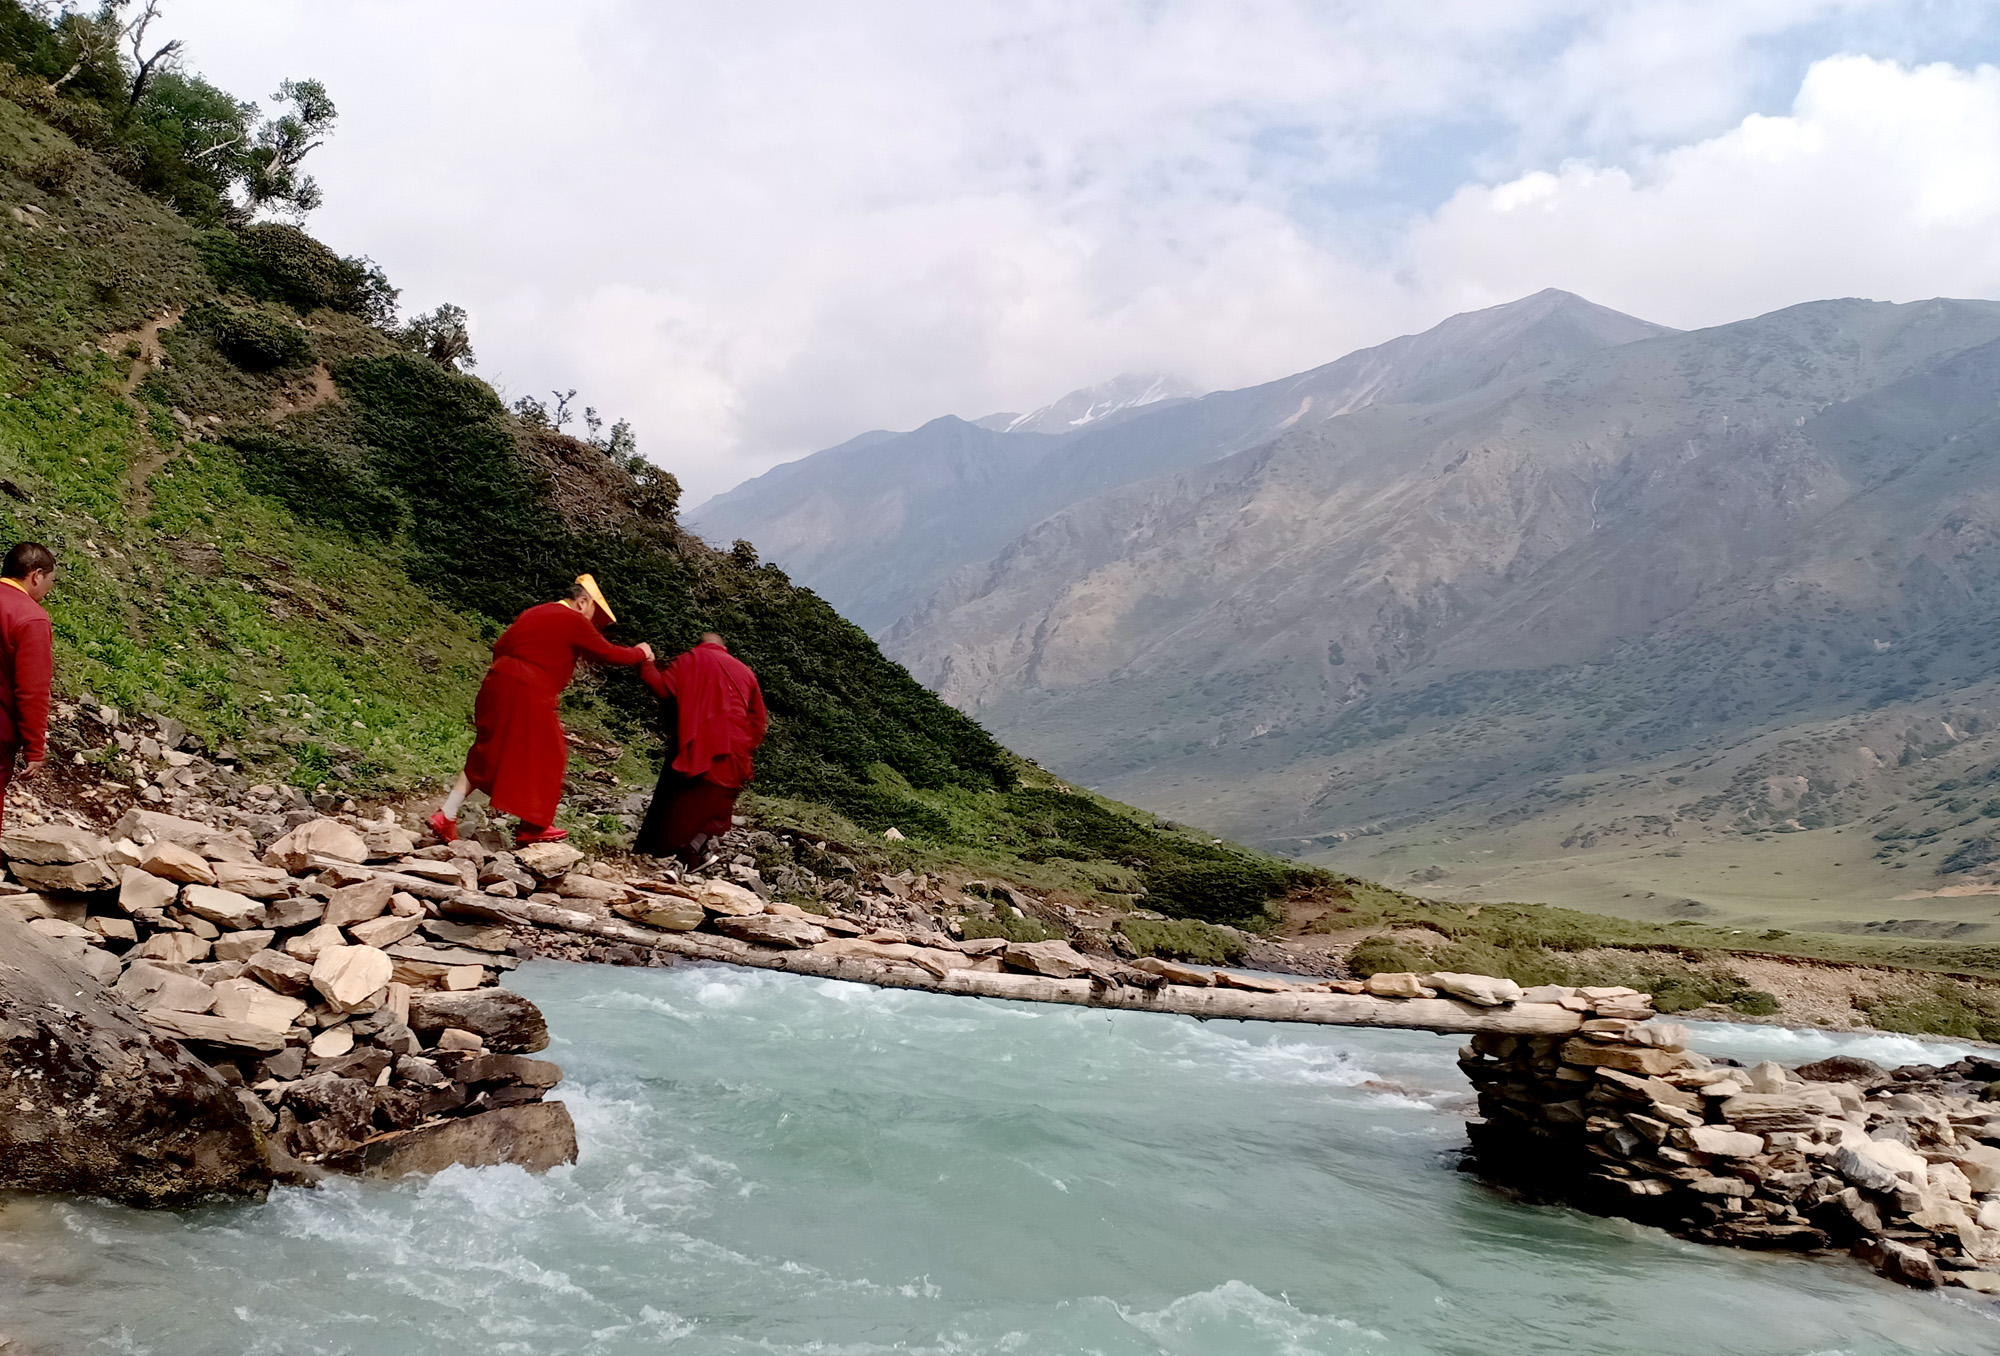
pixel 195 1026
pixel 452 955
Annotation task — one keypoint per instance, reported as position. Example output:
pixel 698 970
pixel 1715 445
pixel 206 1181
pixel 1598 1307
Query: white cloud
pixel 1882 182
pixel 759 228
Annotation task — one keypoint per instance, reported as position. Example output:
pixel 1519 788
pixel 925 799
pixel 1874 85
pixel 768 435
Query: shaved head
pixel 710 638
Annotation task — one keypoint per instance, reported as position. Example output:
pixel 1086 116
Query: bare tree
pixel 96 38
pixel 559 412
pixel 165 58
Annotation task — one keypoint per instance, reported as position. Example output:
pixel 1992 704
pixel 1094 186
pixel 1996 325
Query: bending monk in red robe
pixel 713 711
pixel 518 753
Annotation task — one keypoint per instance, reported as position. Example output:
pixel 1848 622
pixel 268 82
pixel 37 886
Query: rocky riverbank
pixel 273 979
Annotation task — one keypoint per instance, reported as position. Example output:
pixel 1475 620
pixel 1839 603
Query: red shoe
pixel 445 829
pixel 523 836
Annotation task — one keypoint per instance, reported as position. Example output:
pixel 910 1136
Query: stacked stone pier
pixel 1901 1169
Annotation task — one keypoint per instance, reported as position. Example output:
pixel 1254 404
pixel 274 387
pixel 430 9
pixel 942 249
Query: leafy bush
pixel 1216 892
pixel 326 482
pixel 259 339
pixel 1183 877
pixel 1182 939
pixel 1013 929
pixel 53 172
pixel 1381 955
pixel 1944 1009
pixel 271 261
pixel 876 808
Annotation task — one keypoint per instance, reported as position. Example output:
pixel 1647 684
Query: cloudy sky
pixel 756 228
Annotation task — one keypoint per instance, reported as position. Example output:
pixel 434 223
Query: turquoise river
pixel 773 1165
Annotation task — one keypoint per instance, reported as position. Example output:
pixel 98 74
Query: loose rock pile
pixel 362 1032
pixel 1902 1169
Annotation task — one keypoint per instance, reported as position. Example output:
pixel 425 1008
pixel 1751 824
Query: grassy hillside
pixel 285 527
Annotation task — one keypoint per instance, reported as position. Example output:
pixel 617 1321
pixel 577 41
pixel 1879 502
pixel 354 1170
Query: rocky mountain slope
pixel 879 523
pixel 1456 609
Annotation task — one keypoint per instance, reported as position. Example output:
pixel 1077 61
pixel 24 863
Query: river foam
pixel 775 1165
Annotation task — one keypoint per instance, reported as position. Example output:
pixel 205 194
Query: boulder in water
pixel 99 1103
pixel 536 1136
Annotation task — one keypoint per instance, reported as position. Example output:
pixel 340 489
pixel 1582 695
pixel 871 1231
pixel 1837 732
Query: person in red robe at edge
pixel 714 709
pixel 27 662
pixel 518 751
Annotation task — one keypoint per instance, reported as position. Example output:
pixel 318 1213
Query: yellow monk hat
pixel 589 586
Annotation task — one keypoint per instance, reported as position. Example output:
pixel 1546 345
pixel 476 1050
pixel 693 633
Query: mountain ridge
pixel 1674 545
pixel 876 529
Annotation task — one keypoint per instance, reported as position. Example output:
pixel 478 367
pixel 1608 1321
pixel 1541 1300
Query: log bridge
pixel 1313 1005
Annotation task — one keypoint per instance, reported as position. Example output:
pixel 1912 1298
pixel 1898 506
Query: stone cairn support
pixel 1901 1169
pixel 234 1011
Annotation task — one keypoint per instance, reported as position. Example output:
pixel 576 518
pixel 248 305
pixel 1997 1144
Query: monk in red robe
pixel 714 719
pixel 27 661
pixel 519 753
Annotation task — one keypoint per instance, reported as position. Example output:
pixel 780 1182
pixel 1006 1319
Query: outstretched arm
pixel 590 642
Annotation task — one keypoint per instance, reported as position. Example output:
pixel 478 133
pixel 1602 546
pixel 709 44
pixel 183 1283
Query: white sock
pixel 453 802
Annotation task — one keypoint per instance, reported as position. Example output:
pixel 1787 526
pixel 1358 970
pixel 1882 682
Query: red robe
pixel 719 720
pixel 721 716
pixel 27 669
pixel 518 754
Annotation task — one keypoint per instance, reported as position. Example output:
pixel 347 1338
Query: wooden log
pixel 1327 1009
pixel 523 914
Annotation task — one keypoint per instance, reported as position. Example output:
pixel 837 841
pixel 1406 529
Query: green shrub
pixel 1524 964
pixel 877 808
pixel 1215 891
pixel 1381 955
pixel 54 171
pixel 256 339
pixel 1943 1010
pixel 1182 939
pixel 1029 929
pixel 1756 1003
pixel 271 261
pixel 324 482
